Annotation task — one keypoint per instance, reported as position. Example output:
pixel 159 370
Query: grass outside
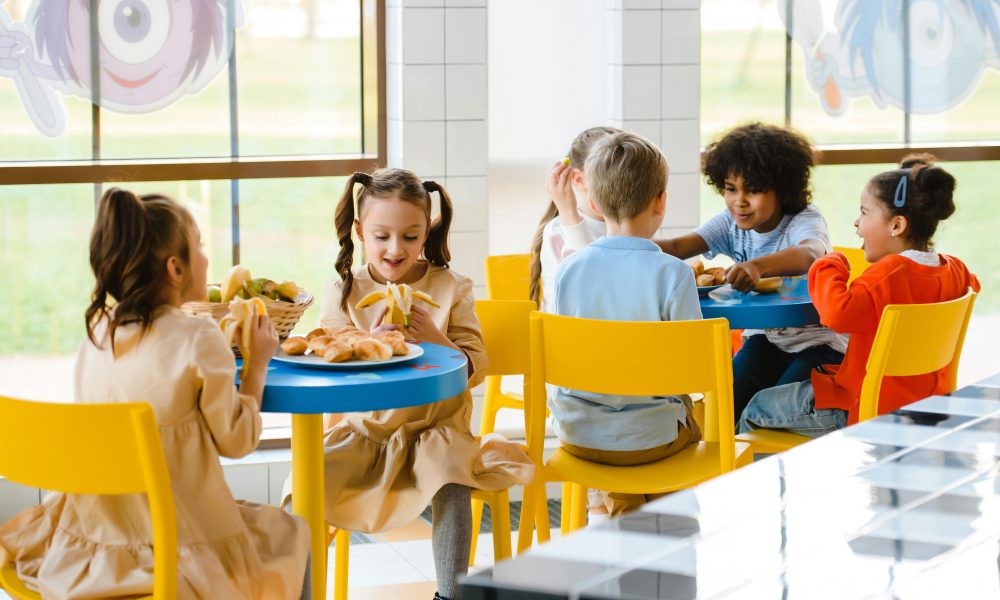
pixel 292 101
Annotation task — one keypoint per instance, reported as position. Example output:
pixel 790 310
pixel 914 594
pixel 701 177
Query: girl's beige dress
pixel 383 467
pixel 74 546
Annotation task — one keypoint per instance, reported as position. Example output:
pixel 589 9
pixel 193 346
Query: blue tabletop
pixel 438 374
pixel 788 307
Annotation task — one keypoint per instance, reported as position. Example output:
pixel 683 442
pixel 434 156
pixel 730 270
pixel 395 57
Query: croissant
pixel 698 267
pixel 337 352
pixel 718 273
pixel 705 279
pixel 294 346
pixel 315 333
pixel 373 350
pixel 349 338
pixel 396 341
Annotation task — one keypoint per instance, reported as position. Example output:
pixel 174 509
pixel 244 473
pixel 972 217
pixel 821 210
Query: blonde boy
pixel 625 277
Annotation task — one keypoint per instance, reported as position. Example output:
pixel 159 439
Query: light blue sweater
pixel 622 279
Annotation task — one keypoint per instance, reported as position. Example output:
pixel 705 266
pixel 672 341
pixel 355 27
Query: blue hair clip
pixel 899 198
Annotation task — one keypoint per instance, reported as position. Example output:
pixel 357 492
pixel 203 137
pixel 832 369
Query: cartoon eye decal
pixel 932 34
pixel 133 31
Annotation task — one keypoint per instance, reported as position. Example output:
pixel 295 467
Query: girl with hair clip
pixel 384 467
pixel 146 254
pixel 570 222
pixel 900 211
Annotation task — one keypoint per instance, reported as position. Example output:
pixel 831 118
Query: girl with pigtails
pixel 384 467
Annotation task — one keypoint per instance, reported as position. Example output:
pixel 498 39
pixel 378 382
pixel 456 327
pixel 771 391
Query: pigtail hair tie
pixel 431 186
pixel 363 178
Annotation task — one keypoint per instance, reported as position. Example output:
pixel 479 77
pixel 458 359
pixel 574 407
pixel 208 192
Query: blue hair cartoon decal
pixel 861 53
pixel 150 54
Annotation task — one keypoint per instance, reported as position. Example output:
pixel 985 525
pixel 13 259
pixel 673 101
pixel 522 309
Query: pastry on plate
pixel 396 342
pixel 372 350
pixel 294 346
pixel 336 352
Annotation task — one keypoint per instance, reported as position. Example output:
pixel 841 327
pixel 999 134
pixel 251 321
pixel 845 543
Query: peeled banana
pixel 239 322
pixel 239 283
pixel 399 300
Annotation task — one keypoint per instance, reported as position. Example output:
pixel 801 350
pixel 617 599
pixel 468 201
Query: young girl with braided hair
pixel 384 467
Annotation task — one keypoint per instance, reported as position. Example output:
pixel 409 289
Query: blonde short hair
pixel 625 173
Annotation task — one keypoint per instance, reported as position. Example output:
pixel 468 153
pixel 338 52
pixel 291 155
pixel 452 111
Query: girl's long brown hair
pixel 578 152
pixel 383 183
pixel 132 239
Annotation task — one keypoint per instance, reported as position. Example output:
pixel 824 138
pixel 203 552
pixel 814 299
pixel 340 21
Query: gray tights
pixel 451 536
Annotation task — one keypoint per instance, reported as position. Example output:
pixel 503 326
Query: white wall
pixel 547 82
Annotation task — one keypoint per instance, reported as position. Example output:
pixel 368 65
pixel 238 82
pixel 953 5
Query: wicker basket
pixel 284 315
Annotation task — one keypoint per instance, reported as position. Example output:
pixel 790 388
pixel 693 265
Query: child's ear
pixel 578 179
pixel 900 225
pixel 175 271
pixel 593 206
pixel 661 203
pixel 357 229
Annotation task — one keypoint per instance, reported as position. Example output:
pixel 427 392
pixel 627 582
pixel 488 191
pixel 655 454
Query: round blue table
pixel 790 306
pixel 307 393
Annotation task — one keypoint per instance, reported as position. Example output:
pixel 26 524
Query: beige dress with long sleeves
pixel 73 546
pixel 383 467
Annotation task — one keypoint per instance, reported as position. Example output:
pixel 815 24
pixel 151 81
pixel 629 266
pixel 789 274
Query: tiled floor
pixel 399 565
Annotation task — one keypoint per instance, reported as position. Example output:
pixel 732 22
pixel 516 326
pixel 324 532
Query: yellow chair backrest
pixel 914 339
pixel 855 256
pixel 93 449
pixel 637 359
pixel 508 277
pixel 505 332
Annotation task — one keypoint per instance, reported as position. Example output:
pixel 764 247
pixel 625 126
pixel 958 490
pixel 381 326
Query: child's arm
pixel 843 308
pixel 463 332
pixel 232 417
pixel 794 260
pixel 684 246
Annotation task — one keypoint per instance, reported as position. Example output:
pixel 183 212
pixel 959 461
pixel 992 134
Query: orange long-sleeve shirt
pixel 857 308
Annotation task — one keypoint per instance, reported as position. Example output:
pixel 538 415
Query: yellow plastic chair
pixel 587 354
pixel 856 257
pixel 508 277
pixel 505 332
pixel 912 339
pixel 103 449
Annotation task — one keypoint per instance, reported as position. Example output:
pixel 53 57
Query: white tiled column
pixel 653 87
pixel 436 55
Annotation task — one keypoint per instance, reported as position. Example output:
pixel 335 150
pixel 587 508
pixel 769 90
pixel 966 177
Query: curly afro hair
pixel 767 157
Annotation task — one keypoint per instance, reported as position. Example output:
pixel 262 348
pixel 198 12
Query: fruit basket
pixel 284 315
pixel 285 301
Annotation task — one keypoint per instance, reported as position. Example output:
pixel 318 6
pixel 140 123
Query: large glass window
pixel 883 90
pixel 256 146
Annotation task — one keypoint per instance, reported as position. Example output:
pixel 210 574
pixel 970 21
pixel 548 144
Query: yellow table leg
pixel 308 490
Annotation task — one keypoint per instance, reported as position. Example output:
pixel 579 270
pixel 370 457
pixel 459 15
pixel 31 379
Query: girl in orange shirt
pixel 900 211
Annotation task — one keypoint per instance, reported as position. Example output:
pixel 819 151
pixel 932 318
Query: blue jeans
pixel 792 407
pixel 760 365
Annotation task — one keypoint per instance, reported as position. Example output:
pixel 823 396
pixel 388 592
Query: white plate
pixel 317 362
pixel 705 289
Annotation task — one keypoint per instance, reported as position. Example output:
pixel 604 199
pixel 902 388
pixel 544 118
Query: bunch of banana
pixel 238 282
pixel 238 323
pixel 399 300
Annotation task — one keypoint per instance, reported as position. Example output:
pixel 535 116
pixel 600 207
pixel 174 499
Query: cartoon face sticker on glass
pixel 150 53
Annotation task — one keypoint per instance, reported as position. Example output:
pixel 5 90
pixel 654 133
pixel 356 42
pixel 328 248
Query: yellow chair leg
pixel 342 556
pixel 579 511
pixel 500 514
pixel 488 422
pixel 566 514
pixel 526 529
pixel 477 521
pixel 542 517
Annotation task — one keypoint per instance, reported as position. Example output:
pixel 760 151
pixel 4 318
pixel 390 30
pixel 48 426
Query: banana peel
pixel 287 290
pixel 235 282
pixel 237 325
pixel 399 302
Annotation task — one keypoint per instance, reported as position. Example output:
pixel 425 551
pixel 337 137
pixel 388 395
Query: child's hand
pixel 379 327
pixel 559 185
pixel 423 329
pixel 743 276
pixel 263 341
